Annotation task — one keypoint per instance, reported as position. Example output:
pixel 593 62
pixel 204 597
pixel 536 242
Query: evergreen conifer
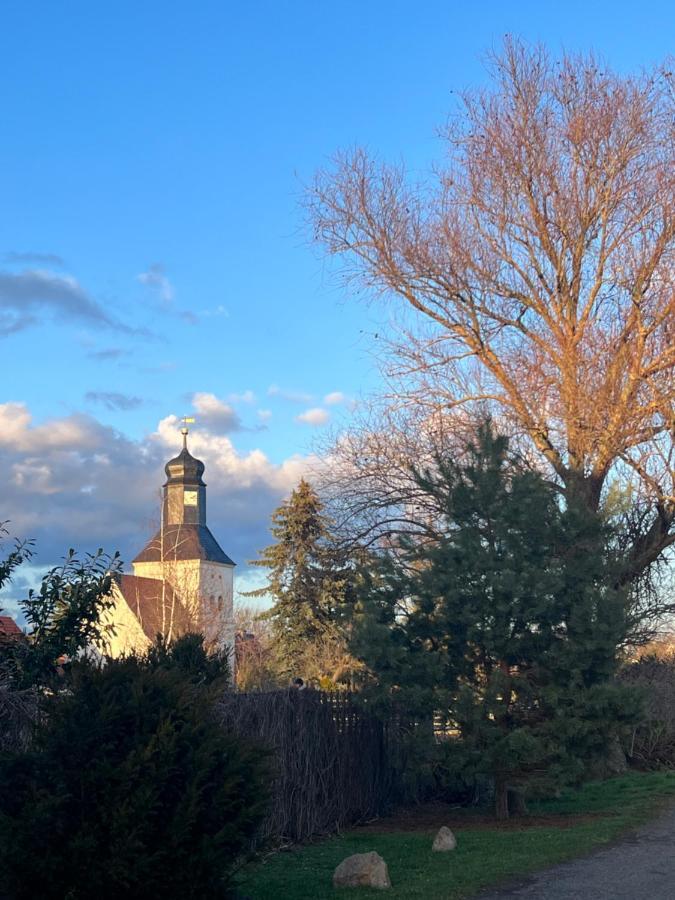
pixel 507 627
pixel 130 788
pixel 308 577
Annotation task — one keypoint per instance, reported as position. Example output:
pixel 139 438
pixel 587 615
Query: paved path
pixel 638 867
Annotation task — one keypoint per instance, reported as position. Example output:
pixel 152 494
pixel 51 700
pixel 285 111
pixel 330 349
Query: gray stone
pixel 362 870
pixel 444 840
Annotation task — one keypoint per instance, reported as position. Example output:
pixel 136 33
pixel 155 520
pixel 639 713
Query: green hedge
pixel 131 788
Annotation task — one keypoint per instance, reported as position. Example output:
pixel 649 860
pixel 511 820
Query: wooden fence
pixel 18 710
pixel 333 763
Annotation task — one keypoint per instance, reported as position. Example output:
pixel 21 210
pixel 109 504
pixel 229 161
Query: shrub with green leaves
pixel 64 617
pixel 131 788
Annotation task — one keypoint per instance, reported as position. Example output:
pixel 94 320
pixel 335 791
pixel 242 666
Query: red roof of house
pixel 9 628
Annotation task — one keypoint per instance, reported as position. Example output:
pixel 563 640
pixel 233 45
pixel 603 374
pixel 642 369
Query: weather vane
pixel 186 420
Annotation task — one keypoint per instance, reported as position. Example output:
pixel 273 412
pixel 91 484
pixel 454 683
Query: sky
pixel 155 259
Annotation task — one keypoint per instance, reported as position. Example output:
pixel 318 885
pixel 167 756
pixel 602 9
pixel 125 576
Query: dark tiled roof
pixel 145 599
pixel 184 469
pixel 183 542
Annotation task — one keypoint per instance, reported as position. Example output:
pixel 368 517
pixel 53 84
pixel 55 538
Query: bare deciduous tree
pixel 369 483
pixel 540 265
pixel 256 668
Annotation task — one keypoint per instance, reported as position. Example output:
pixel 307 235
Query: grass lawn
pixel 577 822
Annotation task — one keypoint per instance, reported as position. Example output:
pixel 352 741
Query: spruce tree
pixel 308 577
pixel 507 627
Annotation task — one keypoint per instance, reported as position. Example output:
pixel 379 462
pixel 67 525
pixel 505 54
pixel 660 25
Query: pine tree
pixel 308 578
pixel 508 626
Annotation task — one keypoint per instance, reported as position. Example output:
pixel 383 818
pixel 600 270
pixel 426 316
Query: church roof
pixel 181 542
pixel 155 605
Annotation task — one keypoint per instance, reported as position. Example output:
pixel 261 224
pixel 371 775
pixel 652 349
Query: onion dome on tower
pixel 184 489
pixel 184 467
pixel 183 533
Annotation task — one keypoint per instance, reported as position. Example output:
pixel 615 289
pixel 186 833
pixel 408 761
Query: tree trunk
pixel 501 798
pixel 583 489
pixel 647 545
pixel 517 805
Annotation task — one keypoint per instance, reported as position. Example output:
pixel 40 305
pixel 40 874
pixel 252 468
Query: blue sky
pixel 152 243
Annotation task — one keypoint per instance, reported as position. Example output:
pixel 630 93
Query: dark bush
pixel 188 654
pixel 132 789
pixel 652 742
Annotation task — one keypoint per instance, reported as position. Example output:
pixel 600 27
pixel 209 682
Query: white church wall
pixel 217 592
pixel 149 570
pixel 128 636
pixel 206 589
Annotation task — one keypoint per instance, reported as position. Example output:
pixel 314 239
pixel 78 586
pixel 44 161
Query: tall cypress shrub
pixel 131 789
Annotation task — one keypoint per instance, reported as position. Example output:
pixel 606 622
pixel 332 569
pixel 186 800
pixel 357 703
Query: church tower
pixel 183 580
pixel 184 500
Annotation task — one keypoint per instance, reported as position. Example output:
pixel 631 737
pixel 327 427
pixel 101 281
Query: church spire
pixel 184 489
pixel 183 535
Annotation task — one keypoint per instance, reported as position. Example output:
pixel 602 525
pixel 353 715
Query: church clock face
pixel 190 498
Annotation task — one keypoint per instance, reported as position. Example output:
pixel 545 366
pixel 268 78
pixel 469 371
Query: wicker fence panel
pixel 18 711
pixel 331 761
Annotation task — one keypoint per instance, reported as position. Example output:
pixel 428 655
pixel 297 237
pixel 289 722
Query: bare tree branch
pixel 539 263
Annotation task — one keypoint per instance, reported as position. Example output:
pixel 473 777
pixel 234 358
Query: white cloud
pixel 215 413
pixel 219 310
pixel 247 469
pixel 247 397
pixel 334 399
pixel 264 415
pixel 34 477
pixel 292 396
pixel 17 432
pixel 157 279
pixel 315 416
pixel 72 482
